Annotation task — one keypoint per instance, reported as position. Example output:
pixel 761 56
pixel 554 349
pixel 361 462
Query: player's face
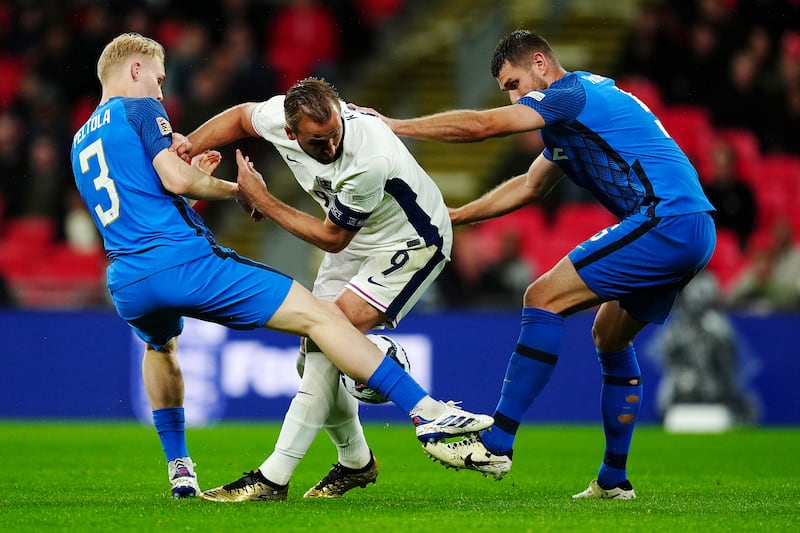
pixel 149 75
pixel 519 80
pixel 321 141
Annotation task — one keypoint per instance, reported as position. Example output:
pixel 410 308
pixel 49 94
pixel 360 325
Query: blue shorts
pixel 227 289
pixel 644 262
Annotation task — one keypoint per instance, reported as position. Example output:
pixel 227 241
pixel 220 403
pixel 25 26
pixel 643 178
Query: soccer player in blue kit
pixel 608 142
pixel 165 263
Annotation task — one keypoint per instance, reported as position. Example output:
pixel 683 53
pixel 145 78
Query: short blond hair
pixel 123 47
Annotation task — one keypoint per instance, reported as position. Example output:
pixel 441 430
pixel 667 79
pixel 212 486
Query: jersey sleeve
pixel 149 119
pixel 556 106
pixel 267 116
pixel 359 194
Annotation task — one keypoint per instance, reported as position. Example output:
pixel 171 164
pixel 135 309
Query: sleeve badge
pixel 164 126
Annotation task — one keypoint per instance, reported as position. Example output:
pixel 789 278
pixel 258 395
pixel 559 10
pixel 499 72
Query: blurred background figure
pixel 733 197
pixel 503 280
pixel 700 356
pixel 771 282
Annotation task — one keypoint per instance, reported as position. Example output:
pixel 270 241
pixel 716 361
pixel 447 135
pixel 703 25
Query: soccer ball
pixel 389 347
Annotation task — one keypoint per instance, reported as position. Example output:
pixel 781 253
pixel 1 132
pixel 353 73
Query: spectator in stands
pixel 250 78
pixel 743 84
pixel 12 165
pixel 646 50
pixel 190 53
pixel 772 281
pixel 46 179
pixel 701 60
pixel 733 198
pixel 784 120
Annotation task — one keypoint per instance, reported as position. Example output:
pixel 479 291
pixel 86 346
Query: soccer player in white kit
pixel 387 236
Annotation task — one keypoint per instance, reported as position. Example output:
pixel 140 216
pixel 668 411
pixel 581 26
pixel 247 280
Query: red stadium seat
pixel 31 231
pixel 646 91
pixel 728 260
pixel 528 222
pixel 579 221
pixel 11 70
pixel 691 128
pixel 778 187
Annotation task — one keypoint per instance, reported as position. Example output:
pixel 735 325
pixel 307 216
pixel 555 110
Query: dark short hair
pixel 314 98
pixel 516 45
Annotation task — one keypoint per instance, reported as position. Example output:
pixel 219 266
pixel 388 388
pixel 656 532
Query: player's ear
pixel 135 67
pixel 539 61
pixel 289 133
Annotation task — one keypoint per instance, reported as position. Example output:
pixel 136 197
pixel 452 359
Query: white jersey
pixel 375 187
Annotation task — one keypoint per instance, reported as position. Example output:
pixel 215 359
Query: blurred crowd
pixel 724 77
pixel 738 61
pixel 738 58
pixel 219 53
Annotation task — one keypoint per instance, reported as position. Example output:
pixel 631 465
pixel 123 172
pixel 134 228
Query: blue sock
pixel 170 425
pixel 620 399
pixel 529 370
pixel 391 381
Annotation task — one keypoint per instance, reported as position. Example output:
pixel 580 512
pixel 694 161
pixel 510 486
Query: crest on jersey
pixel 324 184
pixel 163 126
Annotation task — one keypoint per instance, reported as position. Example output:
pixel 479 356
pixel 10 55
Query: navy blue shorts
pixel 644 262
pixel 227 289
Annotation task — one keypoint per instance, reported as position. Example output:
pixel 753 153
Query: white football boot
pixel 470 453
pixel 452 422
pixel 623 491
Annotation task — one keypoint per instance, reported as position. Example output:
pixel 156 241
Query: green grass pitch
pixel 90 476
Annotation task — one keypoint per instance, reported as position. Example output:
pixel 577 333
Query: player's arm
pixel 465 125
pixel 192 181
pixel 512 194
pixel 323 234
pixel 224 128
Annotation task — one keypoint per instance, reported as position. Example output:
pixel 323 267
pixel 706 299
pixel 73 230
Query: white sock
pixel 307 413
pixel 344 429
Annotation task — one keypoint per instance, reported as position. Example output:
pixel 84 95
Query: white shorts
pixel 391 281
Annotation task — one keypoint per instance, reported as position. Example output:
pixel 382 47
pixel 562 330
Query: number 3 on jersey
pixel 101 182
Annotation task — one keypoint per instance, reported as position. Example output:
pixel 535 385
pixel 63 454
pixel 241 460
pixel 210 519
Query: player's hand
pixel 455 216
pixel 370 111
pixel 182 146
pixel 366 110
pixel 207 162
pixel 251 183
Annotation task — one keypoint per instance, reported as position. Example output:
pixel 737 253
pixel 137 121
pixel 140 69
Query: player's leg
pixel 372 291
pixel 307 413
pixel 641 279
pixel 620 398
pixel 161 372
pixel 163 382
pixel 355 355
pixel 318 388
pixel 557 293
pixel 356 466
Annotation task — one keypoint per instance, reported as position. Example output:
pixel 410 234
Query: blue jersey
pixel 145 228
pixel 608 142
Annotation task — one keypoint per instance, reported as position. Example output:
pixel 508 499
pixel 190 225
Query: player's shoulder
pixel 145 103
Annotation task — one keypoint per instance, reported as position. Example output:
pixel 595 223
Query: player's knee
pixel 606 341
